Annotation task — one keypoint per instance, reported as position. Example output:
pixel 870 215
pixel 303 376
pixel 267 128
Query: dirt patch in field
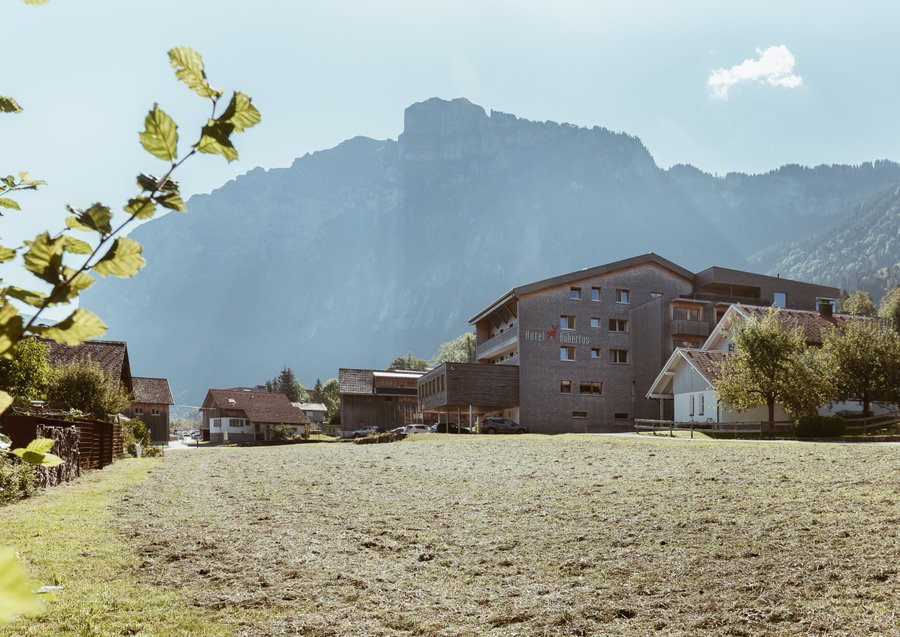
pixel 571 535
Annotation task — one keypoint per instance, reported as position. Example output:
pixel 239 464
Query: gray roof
pixel 152 390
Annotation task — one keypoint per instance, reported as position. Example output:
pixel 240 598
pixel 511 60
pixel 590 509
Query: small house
pixel 152 398
pixel 245 415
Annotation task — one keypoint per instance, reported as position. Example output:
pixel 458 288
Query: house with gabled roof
pixel 111 356
pixel 689 375
pixel 245 415
pixel 152 398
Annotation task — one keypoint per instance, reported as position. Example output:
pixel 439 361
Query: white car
pixel 417 429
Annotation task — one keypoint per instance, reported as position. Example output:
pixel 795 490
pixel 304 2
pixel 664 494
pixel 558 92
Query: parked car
pixel 495 425
pixel 399 430
pixel 417 429
pixel 453 428
pixel 369 430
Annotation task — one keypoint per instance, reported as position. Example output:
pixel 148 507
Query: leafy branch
pixel 112 254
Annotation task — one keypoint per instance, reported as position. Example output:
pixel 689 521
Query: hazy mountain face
pixel 374 248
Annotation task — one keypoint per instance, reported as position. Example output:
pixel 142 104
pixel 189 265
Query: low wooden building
pixel 385 398
pixel 244 415
pixel 152 398
pixel 462 392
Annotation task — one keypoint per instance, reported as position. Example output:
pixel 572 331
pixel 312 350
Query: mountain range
pixel 373 248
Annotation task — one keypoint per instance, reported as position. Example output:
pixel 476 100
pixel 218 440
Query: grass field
pixel 472 535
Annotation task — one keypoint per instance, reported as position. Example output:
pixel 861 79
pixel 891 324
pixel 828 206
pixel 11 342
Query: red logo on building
pixel 551 333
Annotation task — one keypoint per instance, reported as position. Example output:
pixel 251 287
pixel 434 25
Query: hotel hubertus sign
pixel 553 334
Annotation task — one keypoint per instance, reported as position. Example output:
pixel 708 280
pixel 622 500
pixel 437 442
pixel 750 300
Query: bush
pixel 821 427
pixel 17 479
pixel 151 451
pixel 280 433
pixel 135 432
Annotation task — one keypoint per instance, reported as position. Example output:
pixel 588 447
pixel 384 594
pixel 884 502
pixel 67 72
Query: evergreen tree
pixel 316 395
pixel 286 383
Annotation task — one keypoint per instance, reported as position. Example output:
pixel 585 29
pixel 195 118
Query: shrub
pixel 280 433
pixel 152 451
pixel 135 432
pixel 85 386
pixel 17 479
pixel 821 427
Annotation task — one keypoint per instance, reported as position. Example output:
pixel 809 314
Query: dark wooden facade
pixel 155 416
pixel 462 385
pixel 99 442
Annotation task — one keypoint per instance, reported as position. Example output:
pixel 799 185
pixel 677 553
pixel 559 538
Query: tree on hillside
pixel 862 361
pixel 27 374
pixel 889 310
pixel 84 386
pixel 286 383
pixel 409 362
pixel 460 350
pixel 859 303
pixel 769 365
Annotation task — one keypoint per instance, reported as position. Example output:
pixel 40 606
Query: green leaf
pixel 151 183
pixel 215 140
pixel 172 201
pixel 77 246
pixel 5 441
pixel 26 296
pixel 97 218
pixel 40 445
pixel 11 328
pixel 9 105
pixel 6 254
pixel 9 203
pixel 241 113
pixel 38 459
pixel 76 328
pixel 188 65
pixel 77 283
pixel 123 259
pixel 141 207
pixel 75 224
pixel 44 257
pixel 16 597
pixel 160 136
pixel 5 401
pixel 9 180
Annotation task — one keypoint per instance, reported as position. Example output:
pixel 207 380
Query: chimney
pixel 825 308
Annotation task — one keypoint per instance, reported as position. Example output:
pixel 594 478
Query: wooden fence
pixel 734 428
pixel 862 425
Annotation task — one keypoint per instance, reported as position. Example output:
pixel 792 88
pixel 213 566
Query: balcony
pixel 684 327
pixel 496 343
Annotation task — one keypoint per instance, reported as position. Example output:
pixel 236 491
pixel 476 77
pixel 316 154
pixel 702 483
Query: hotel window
pixel 567 353
pixel 686 313
pixel 595 322
pixel 566 322
pixel 565 387
pixel 575 293
pixel 595 294
pixel 618 355
pixel 590 388
pixel 622 296
pixel 595 352
pixel 618 325
pixel 579 414
pixel 779 299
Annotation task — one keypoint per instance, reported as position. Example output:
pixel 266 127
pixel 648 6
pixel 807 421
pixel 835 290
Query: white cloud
pixel 774 66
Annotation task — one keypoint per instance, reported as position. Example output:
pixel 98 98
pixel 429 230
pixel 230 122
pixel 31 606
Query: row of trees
pixel 772 364
pixel 861 303
pixel 82 386
pixel 459 350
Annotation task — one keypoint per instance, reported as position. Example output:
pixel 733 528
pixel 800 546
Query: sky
pixel 723 85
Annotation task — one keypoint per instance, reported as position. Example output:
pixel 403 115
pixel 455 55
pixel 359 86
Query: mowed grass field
pixel 478 535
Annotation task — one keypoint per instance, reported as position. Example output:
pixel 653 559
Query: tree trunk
pixel 771 405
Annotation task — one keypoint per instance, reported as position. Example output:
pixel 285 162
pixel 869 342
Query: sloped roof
pixel 578 275
pixel 259 406
pixel 356 381
pixel 813 324
pixel 706 361
pixel 111 356
pixel 152 390
pixel 310 406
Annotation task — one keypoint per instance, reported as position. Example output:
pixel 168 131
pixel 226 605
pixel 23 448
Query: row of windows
pixel 623 295
pixel 234 423
pixel 139 411
pixel 586 387
pixel 432 387
pixel 693 404
pixel 619 415
pixel 567 353
pixel 567 322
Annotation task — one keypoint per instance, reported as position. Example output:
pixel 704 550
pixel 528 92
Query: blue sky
pixel 87 71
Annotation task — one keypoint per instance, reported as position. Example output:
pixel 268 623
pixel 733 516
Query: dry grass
pixel 527 535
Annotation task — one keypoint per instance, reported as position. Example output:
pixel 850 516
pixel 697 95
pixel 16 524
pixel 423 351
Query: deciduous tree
pixel 409 362
pixel 859 303
pixel 27 374
pixel 84 386
pixel 889 310
pixel 770 365
pixel 460 350
pixel 862 361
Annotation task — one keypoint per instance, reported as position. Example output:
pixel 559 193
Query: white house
pixel 688 377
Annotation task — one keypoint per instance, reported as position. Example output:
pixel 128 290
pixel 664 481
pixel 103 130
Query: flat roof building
pixel 589 344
